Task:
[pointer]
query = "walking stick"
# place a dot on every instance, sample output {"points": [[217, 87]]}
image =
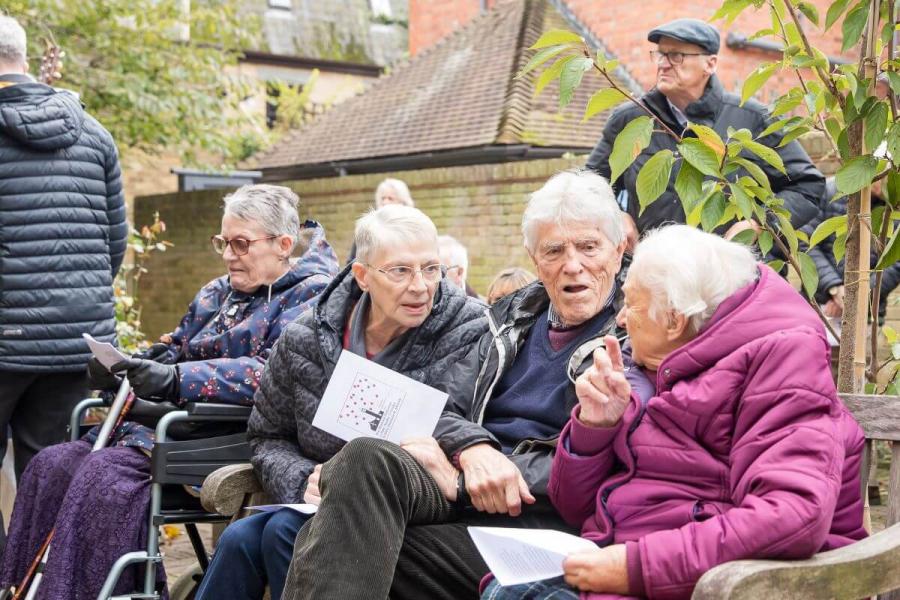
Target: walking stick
{"points": [[117, 412]]}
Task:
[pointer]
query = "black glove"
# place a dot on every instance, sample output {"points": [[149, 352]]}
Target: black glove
{"points": [[157, 353], [99, 377], [150, 380]]}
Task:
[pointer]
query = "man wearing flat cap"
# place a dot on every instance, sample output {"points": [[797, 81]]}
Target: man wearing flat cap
{"points": [[687, 90]]}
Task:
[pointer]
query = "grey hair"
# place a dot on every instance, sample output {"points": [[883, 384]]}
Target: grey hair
{"points": [[389, 225], [458, 252], [690, 271], [398, 186], [573, 198], [273, 207], [13, 41]]}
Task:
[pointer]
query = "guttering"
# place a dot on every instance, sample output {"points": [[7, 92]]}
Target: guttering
{"points": [[425, 160], [300, 62], [739, 41]]}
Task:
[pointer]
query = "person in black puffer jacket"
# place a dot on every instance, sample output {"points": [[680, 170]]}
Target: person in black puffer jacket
{"points": [[392, 305], [687, 90], [62, 240]]}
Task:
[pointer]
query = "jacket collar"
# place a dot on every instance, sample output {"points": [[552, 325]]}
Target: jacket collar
{"points": [[703, 111]]}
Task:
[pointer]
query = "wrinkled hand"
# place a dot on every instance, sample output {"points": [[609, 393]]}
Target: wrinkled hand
{"points": [[494, 483], [601, 570], [100, 378], [833, 309], [742, 226], [150, 380], [430, 455], [312, 495], [602, 390]]}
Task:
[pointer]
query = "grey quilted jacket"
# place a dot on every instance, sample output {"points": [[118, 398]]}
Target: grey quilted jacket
{"points": [[286, 447], [62, 228]]}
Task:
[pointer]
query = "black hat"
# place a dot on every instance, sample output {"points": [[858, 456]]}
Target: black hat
{"points": [[692, 31]]}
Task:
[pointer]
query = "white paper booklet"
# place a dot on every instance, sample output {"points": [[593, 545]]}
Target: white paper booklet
{"points": [[523, 555], [364, 399], [306, 509], [106, 353]]}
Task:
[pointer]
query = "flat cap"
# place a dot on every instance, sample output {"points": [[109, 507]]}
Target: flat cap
{"points": [[692, 31]]}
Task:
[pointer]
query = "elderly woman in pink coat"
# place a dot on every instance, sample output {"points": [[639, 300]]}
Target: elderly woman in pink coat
{"points": [[743, 451]]}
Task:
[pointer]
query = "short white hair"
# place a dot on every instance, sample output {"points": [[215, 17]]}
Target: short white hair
{"points": [[392, 225], [13, 42], [272, 207], [690, 271], [573, 198], [459, 256], [398, 186]]}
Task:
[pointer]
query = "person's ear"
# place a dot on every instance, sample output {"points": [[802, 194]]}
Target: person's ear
{"points": [[286, 245], [676, 325], [361, 275], [711, 63]]}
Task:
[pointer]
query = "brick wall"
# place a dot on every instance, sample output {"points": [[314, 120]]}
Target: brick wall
{"points": [[481, 206], [431, 21]]}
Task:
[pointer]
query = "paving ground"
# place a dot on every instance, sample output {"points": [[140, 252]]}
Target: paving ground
{"points": [[178, 554]]}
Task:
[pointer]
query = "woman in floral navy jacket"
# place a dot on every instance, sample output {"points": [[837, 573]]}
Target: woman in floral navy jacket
{"points": [[97, 502]]}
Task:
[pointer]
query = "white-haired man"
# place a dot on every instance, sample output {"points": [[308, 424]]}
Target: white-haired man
{"points": [[63, 237], [455, 257], [687, 90], [406, 508]]}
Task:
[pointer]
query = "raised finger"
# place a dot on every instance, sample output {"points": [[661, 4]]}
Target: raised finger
{"points": [[614, 350]]}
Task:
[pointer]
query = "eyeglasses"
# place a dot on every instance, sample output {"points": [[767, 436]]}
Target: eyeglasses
{"points": [[673, 58], [239, 245], [402, 274]]}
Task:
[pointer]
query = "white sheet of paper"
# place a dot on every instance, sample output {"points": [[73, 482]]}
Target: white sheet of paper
{"points": [[306, 509], [106, 353], [523, 555], [364, 399]]}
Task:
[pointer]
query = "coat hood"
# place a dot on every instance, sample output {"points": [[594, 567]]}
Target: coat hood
{"points": [[39, 116], [765, 307]]}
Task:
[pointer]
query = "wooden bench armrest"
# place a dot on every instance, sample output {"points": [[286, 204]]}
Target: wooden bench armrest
{"points": [[224, 490], [862, 569]]}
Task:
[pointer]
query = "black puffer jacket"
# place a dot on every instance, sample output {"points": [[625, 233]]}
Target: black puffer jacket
{"points": [[286, 447], [801, 189], [62, 228], [831, 271], [471, 382]]}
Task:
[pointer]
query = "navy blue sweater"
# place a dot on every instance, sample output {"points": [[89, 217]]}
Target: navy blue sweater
{"points": [[534, 397]]}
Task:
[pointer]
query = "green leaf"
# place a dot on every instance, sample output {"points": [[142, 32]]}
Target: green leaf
{"points": [[541, 57], [653, 178], [746, 237], [840, 244], [853, 25], [712, 212], [767, 154], [755, 172], [776, 265], [894, 79], [701, 156], [893, 140], [766, 241], [875, 125], [890, 334], [891, 252], [551, 73], [630, 142], [603, 100], [792, 135], [776, 126], [555, 37], [811, 12], [688, 185], [570, 78], [787, 231], [708, 136], [893, 188], [809, 275], [786, 104], [834, 13], [730, 10], [742, 199], [756, 80], [855, 174], [826, 228]]}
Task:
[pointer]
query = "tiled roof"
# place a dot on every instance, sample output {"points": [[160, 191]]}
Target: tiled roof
{"points": [[460, 93]]}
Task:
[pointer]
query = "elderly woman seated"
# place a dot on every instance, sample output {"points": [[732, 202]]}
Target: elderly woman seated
{"points": [[743, 451], [97, 502], [393, 306]]}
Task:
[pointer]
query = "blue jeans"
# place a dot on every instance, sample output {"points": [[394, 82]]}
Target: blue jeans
{"points": [[251, 553], [548, 589]]}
